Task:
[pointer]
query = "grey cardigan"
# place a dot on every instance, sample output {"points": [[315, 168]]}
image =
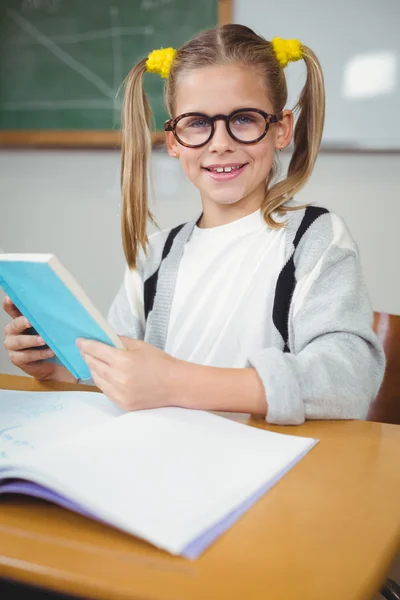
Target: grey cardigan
{"points": [[325, 361]]}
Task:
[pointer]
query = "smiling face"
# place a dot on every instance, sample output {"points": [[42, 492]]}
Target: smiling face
{"points": [[223, 89]]}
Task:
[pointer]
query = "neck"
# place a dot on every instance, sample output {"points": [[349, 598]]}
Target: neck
{"points": [[215, 215]]}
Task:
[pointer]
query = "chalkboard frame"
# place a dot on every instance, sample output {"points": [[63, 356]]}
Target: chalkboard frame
{"points": [[44, 138]]}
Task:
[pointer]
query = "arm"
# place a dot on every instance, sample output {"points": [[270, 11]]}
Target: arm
{"points": [[214, 388], [142, 376], [336, 363]]}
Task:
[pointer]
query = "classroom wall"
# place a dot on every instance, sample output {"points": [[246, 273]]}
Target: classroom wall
{"points": [[67, 203]]}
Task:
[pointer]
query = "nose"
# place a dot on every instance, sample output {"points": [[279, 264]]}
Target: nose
{"points": [[221, 141]]}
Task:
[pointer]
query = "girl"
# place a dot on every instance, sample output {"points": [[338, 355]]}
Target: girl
{"points": [[258, 305]]}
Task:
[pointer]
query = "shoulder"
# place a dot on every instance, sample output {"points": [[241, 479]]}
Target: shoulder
{"points": [[322, 235], [159, 246]]}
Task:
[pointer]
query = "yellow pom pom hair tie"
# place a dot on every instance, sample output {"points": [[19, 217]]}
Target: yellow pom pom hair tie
{"points": [[159, 61], [287, 50]]}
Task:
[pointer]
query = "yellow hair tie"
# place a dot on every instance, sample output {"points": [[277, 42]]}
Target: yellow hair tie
{"points": [[159, 61], [287, 50]]}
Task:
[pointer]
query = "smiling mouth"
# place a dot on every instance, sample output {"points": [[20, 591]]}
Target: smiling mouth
{"points": [[226, 169]]}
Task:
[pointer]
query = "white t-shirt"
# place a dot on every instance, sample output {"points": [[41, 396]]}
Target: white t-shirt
{"points": [[222, 305]]}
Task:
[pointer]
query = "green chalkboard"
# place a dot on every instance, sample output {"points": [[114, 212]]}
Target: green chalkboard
{"points": [[62, 62]]}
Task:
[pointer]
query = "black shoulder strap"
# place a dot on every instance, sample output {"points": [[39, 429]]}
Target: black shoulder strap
{"points": [[286, 281], [150, 285]]}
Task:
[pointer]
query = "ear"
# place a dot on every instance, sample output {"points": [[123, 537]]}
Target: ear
{"points": [[172, 144], [284, 130]]}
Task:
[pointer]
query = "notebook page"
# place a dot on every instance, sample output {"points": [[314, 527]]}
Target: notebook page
{"points": [[31, 420], [166, 475]]}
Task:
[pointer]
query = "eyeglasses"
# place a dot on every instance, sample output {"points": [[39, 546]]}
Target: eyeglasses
{"points": [[244, 125]]}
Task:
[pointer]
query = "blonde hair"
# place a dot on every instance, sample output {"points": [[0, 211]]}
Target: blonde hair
{"points": [[223, 45]]}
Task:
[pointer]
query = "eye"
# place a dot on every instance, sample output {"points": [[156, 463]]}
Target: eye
{"points": [[243, 119], [200, 123]]}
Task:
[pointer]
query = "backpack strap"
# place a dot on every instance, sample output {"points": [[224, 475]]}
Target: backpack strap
{"points": [[150, 285], [287, 278]]}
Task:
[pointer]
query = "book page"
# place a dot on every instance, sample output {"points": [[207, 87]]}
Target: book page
{"points": [[31, 420], [167, 475]]}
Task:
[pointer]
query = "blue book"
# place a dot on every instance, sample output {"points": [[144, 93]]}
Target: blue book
{"points": [[56, 306]]}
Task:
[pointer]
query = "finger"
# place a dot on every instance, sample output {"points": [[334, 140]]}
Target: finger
{"points": [[10, 307], [17, 326], [99, 367], [131, 343], [107, 388], [21, 359], [98, 350], [41, 370], [22, 342]]}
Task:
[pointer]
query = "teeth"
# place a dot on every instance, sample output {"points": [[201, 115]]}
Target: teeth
{"points": [[224, 169]]}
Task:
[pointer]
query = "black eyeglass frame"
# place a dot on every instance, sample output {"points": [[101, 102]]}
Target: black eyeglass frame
{"points": [[170, 125]]}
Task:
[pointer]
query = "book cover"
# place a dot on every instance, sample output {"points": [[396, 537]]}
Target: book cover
{"points": [[55, 305]]}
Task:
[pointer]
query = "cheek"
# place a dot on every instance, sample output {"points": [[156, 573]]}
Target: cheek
{"points": [[263, 157], [190, 161]]}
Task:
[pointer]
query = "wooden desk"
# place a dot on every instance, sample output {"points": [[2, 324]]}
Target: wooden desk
{"points": [[328, 530]]}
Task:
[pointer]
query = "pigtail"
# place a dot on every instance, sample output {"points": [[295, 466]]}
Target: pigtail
{"points": [[307, 140], [136, 152], [310, 123]]}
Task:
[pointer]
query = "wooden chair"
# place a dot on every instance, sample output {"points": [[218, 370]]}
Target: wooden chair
{"points": [[386, 407]]}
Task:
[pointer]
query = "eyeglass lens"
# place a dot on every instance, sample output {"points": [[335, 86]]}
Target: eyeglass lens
{"points": [[196, 130]]}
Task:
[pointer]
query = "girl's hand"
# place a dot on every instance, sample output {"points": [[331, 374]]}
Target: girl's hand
{"points": [[137, 377], [20, 349]]}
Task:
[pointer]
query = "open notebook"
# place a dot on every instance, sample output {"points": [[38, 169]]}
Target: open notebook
{"points": [[174, 477], [56, 306]]}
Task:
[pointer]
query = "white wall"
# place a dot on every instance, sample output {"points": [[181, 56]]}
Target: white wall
{"points": [[358, 46], [67, 203]]}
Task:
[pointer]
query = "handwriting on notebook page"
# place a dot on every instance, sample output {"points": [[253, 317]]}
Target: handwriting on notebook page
{"points": [[30, 420]]}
